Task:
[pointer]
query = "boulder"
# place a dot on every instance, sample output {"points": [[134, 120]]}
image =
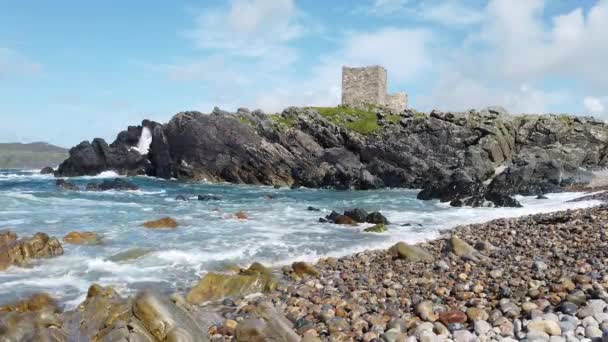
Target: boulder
{"points": [[345, 220], [214, 286], [268, 324], [357, 214], [165, 222], [114, 184], [166, 321], [408, 252], [47, 170], [303, 269], [22, 251], [460, 248], [376, 218], [82, 238]]}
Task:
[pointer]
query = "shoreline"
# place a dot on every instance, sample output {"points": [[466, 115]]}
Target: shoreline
{"points": [[499, 313], [339, 304]]}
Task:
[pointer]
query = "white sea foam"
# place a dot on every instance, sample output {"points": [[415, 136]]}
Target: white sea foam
{"points": [[143, 145]]}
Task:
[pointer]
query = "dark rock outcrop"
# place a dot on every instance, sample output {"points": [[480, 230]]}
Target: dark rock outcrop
{"points": [[114, 184], [452, 156], [47, 170]]}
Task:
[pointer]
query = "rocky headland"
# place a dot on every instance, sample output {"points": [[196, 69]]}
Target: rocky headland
{"points": [[536, 278], [474, 158]]}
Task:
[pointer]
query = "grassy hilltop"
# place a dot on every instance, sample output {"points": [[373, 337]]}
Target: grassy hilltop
{"points": [[30, 156]]}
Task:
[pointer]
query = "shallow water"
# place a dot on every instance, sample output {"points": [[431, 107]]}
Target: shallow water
{"points": [[280, 230]]}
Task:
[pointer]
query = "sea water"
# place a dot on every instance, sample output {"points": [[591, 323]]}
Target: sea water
{"points": [[279, 230]]}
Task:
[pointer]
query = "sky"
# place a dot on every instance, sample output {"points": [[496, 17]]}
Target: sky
{"points": [[73, 70]]}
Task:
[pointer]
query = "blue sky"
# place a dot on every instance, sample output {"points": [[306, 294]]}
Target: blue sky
{"points": [[74, 70]]}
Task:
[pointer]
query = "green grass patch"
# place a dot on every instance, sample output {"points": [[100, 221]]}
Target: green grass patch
{"points": [[362, 121], [283, 122], [394, 119], [245, 121]]}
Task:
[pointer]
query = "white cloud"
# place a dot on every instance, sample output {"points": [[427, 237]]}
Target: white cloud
{"points": [[15, 63], [593, 105], [515, 45], [249, 27], [443, 12]]}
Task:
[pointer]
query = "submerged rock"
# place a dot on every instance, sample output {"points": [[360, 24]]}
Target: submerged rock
{"points": [[65, 185], [82, 238], [165, 222], [131, 254], [379, 228], [209, 198], [115, 184]]}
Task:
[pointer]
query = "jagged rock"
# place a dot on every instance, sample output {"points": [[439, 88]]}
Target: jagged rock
{"points": [[410, 252], [115, 184], [165, 222], [82, 238], [450, 155], [65, 185], [20, 252]]}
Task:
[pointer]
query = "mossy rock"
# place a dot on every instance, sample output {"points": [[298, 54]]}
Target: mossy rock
{"points": [[215, 286], [379, 228], [257, 269], [410, 252], [460, 247]]}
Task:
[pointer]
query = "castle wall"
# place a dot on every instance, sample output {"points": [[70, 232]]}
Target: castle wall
{"points": [[396, 102], [363, 86], [367, 86]]}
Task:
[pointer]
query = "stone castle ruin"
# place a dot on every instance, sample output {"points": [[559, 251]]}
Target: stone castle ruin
{"points": [[367, 86]]}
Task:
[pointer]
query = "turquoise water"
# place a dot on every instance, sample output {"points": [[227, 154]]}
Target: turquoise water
{"points": [[279, 230]]}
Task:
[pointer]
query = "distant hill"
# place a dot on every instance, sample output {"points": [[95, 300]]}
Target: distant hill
{"points": [[30, 156]]}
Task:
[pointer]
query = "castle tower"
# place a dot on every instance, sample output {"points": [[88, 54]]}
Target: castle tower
{"points": [[367, 86]]}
